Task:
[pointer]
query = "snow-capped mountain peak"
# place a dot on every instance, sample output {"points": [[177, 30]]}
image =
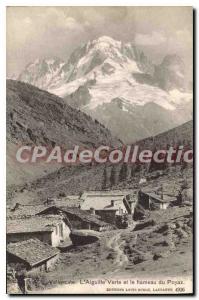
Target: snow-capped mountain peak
{"points": [[42, 72], [103, 43], [104, 52], [110, 79]]}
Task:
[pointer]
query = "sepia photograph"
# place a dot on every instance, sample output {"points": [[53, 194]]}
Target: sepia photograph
{"points": [[99, 150]]}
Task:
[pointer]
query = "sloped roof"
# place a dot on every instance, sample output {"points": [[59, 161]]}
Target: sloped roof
{"points": [[83, 215], [103, 202], [106, 193], [72, 200], [32, 251], [69, 200], [21, 210], [24, 210], [166, 198], [32, 224]]}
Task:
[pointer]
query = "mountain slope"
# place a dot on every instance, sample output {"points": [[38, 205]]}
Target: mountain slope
{"points": [[76, 179], [135, 123], [181, 135], [37, 117]]}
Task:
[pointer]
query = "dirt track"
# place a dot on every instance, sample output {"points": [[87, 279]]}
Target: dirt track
{"points": [[115, 244]]}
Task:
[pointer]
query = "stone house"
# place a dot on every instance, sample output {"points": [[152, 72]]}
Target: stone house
{"points": [[77, 218], [108, 204], [31, 254], [50, 229], [152, 201]]}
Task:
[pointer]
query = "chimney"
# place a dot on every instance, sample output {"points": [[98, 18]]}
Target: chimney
{"points": [[112, 202], [92, 211], [50, 201]]}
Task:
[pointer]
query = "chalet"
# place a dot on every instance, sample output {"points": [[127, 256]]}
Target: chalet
{"points": [[78, 218], [31, 254], [50, 229], [108, 204], [152, 201]]}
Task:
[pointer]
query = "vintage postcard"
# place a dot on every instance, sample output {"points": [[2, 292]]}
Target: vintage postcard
{"points": [[99, 150]]}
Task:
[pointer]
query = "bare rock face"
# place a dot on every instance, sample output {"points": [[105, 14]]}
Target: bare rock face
{"points": [[80, 97], [170, 74]]}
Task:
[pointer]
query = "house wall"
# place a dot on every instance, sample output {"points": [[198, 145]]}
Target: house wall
{"points": [[50, 262], [164, 205], [16, 263], [108, 216], [60, 233], [45, 265], [133, 205], [157, 204], [121, 211], [144, 200], [130, 205]]}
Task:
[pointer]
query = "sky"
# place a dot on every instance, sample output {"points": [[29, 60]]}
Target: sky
{"points": [[37, 32]]}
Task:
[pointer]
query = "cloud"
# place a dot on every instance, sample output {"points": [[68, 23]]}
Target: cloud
{"points": [[37, 31], [184, 36], [59, 19], [152, 39], [72, 24]]}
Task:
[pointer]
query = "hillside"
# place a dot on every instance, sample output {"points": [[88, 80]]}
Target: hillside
{"points": [[127, 175], [36, 117], [75, 179], [180, 135]]}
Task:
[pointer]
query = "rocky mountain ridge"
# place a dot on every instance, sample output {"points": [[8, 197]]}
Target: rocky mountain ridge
{"points": [[115, 83]]}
